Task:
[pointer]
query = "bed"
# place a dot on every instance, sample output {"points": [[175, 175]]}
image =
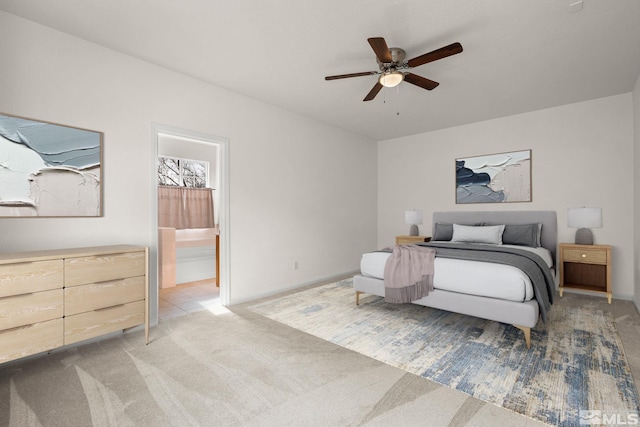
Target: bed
{"points": [[489, 290]]}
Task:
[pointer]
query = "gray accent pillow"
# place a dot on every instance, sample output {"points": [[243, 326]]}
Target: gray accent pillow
{"points": [[444, 231], [522, 234]]}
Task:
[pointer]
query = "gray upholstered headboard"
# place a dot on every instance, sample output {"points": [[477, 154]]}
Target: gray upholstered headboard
{"points": [[548, 219]]}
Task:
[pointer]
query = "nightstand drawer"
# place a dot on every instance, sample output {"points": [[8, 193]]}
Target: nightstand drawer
{"points": [[408, 240], [585, 256]]}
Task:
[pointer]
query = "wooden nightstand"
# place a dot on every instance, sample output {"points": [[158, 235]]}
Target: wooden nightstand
{"points": [[407, 240], [585, 267]]}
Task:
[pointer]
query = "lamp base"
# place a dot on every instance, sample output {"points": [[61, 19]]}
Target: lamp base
{"points": [[584, 236], [413, 230]]}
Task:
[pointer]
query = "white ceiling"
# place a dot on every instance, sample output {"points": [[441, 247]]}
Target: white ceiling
{"points": [[519, 55]]}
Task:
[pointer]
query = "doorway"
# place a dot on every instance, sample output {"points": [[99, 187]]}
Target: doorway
{"points": [[200, 249]]}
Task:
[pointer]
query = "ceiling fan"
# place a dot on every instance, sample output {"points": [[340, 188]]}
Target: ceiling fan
{"points": [[393, 69]]}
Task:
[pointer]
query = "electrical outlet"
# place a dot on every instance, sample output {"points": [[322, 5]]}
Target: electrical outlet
{"points": [[575, 6]]}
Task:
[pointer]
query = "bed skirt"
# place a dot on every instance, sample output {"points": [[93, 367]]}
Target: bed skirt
{"points": [[517, 313]]}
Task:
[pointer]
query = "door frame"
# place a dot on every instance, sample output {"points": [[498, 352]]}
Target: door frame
{"points": [[223, 210]]}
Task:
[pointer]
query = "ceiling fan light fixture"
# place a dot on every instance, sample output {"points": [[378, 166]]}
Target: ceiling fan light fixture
{"points": [[393, 69], [391, 79]]}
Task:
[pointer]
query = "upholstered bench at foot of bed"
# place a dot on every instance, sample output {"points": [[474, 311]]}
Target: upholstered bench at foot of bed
{"points": [[522, 315]]}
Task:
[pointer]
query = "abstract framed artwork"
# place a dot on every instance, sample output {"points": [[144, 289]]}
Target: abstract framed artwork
{"points": [[494, 178], [49, 170]]}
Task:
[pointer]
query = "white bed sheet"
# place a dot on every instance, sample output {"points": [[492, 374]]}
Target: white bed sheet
{"points": [[468, 277]]}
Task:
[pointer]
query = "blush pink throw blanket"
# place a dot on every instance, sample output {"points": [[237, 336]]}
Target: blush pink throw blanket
{"points": [[408, 273]]}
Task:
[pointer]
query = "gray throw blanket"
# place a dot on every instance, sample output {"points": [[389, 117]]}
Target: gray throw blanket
{"points": [[530, 263], [408, 273]]}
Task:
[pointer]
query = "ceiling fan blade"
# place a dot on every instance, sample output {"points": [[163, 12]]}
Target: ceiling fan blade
{"points": [[373, 92], [345, 76], [417, 80], [443, 52], [381, 49]]}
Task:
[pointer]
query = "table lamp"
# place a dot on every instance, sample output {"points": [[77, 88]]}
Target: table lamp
{"points": [[413, 217], [583, 219]]}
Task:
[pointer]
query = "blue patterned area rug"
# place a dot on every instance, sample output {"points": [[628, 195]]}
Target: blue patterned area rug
{"points": [[575, 366]]}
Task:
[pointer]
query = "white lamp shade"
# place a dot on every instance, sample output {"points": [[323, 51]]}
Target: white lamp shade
{"points": [[584, 217], [391, 79], [413, 217]]}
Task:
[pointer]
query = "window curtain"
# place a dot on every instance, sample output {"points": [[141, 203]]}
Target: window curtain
{"points": [[181, 207]]}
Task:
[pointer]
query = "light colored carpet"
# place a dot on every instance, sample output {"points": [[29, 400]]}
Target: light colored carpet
{"points": [[228, 369], [576, 362]]}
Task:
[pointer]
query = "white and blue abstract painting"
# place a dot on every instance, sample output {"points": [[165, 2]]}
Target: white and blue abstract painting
{"points": [[494, 178], [49, 170]]}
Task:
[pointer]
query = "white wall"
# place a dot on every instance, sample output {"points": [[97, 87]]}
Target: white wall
{"points": [[300, 190], [582, 155], [636, 192]]}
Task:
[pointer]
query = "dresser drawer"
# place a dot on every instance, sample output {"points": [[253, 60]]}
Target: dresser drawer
{"points": [[27, 277], [25, 309], [585, 256], [83, 326], [93, 269], [31, 339], [78, 299]]}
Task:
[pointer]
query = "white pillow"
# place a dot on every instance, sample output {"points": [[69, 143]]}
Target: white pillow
{"points": [[487, 234]]}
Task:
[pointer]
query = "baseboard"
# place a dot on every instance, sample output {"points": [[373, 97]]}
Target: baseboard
{"points": [[296, 287], [624, 297]]}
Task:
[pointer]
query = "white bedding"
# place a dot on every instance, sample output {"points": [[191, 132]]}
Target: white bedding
{"points": [[469, 277]]}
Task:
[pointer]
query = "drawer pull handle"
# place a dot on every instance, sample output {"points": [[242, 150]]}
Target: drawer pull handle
{"points": [[13, 264], [584, 255], [108, 308], [16, 295], [15, 328], [103, 282]]}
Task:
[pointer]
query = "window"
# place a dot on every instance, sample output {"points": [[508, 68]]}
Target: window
{"points": [[183, 172]]}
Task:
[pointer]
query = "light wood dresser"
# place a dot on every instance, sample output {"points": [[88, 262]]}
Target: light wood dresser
{"points": [[49, 299]]}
